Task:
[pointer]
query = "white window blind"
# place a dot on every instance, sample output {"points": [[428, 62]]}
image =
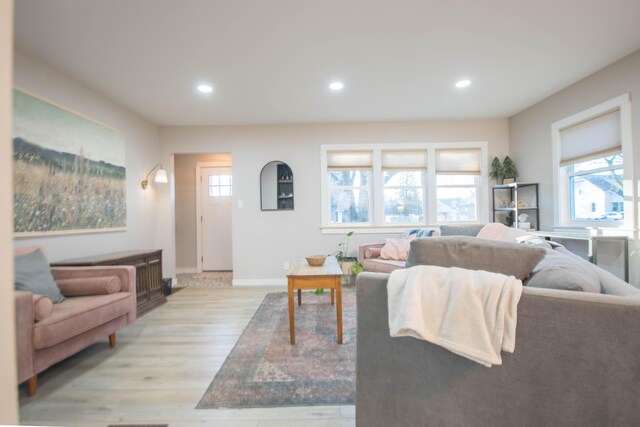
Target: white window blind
{"points": [[458, 162], [341, 160], [595, 138], [404, 159]]}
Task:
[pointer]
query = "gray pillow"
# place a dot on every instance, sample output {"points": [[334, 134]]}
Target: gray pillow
{"points": [[33, 274], [512, 259], [565, 278], [460, 230], [559, 271]]}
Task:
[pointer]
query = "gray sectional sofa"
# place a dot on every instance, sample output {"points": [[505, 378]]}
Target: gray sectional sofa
{"points": [[576, 363]]}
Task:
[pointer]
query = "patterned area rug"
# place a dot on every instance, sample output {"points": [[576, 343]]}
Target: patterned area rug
{"points": [[217, 279], [264, 369]]}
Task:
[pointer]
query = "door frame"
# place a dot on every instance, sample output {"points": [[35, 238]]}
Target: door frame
{"points": [[199, 167]]}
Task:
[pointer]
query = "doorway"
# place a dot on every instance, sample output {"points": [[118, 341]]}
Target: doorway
{"points": [[216, 191]]}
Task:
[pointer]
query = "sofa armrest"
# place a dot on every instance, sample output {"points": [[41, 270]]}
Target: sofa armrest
{"points": [[362, 250], [126, 274], [24, 334], [573, 360]]}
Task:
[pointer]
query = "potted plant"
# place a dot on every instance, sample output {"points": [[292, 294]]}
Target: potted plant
{"points": [[496, 172], [509, 169]]}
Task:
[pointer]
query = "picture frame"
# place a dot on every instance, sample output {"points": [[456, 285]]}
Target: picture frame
{"points": [[69, 171]]}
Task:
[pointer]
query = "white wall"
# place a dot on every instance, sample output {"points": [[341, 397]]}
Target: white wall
{"points": [[142, 142], [8, 374], [530, 130], [185, 194], [262, 241]]}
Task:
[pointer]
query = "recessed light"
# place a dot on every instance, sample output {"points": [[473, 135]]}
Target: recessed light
{"points": [[336, 86], [463, 83], [205, 88]]}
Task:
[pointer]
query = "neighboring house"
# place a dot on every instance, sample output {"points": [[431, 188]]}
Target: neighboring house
{"points": [[599, 195]]}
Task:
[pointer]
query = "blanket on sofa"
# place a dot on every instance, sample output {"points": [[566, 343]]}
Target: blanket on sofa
{"points": [[471, 313]]}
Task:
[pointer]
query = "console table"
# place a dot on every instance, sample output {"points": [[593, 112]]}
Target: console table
{"points": [[148, 264]]}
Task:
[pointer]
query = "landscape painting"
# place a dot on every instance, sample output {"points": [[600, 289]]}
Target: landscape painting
{"points": [[69, 171]]}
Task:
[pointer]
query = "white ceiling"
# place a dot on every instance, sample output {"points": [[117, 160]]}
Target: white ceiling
{"points": [[271, 61]]}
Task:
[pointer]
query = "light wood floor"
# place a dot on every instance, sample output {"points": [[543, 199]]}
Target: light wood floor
{"points": [[161, 367]]}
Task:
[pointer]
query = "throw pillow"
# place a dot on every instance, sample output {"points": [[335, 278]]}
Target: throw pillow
{"points": [[497, 231], [42, 307], [460, 230], [90, 286], [565, 278], [511, 259], [396, 249], [33, 274]]}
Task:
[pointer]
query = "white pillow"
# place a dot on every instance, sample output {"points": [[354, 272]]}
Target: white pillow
{"points": [[396, 249], [497, 231]]}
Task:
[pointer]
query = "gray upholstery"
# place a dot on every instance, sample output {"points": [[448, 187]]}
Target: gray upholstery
{"points": [[512, 259], [33, 274], [573, 366], [460, 230], [559, 271]]}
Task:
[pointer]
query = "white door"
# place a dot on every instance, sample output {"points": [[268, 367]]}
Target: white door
{"points": [[216, 194]]}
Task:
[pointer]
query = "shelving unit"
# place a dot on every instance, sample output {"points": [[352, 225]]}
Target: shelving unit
{"points": [[285, 187], [515, 199]]}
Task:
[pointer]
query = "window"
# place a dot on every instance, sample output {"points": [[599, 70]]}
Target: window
{"points": [[219, 185], [349, 186], [457, 173], [403, 177], [589, 152], [405, 184], [596, 189]]}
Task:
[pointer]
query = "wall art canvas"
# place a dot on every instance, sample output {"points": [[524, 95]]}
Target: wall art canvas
{"points": [[69, 171]]}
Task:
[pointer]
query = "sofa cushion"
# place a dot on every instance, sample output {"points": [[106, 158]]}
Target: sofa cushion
{"points": [[512, 259], [396, 249], [42, 307], [460, 230], [378, 265], [560, 271], [33, 274], [89, 286], [77, 315]]}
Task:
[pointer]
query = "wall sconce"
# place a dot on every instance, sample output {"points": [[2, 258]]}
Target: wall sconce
{"points": [[161, 176]]}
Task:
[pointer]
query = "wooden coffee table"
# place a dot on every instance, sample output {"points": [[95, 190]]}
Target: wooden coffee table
{"points": [[302, 276]]}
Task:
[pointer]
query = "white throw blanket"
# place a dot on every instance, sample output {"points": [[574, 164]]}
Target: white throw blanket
{"points": [[471, 313]]}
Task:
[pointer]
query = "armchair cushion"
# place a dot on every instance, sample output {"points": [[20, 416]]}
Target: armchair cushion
{"points": [[42, 307], [89, 286], [33, 274]]}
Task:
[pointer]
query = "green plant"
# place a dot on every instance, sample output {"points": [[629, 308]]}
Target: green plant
{"points": [[496, 172], [343, 249], [341, 254], [357, 268], [509, 169]]}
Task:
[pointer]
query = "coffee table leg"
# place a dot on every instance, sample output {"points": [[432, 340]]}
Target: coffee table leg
{"points": [[292, 330], [299, 296], [339, 308]]}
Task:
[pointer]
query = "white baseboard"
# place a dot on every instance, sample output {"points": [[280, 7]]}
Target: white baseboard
{"points": [[260, 282], [186, 270]]}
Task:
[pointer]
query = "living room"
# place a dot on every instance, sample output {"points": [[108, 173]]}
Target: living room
{"points": [[51, 60]]}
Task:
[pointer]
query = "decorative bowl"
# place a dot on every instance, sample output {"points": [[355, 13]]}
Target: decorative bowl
{"points": [[316, 260]]}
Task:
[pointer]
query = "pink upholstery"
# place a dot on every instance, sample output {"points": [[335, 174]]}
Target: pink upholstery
{"points": [[369, 258], [78, 321], [89, 286], [74, 316], [24, 334], [42, 307]]}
